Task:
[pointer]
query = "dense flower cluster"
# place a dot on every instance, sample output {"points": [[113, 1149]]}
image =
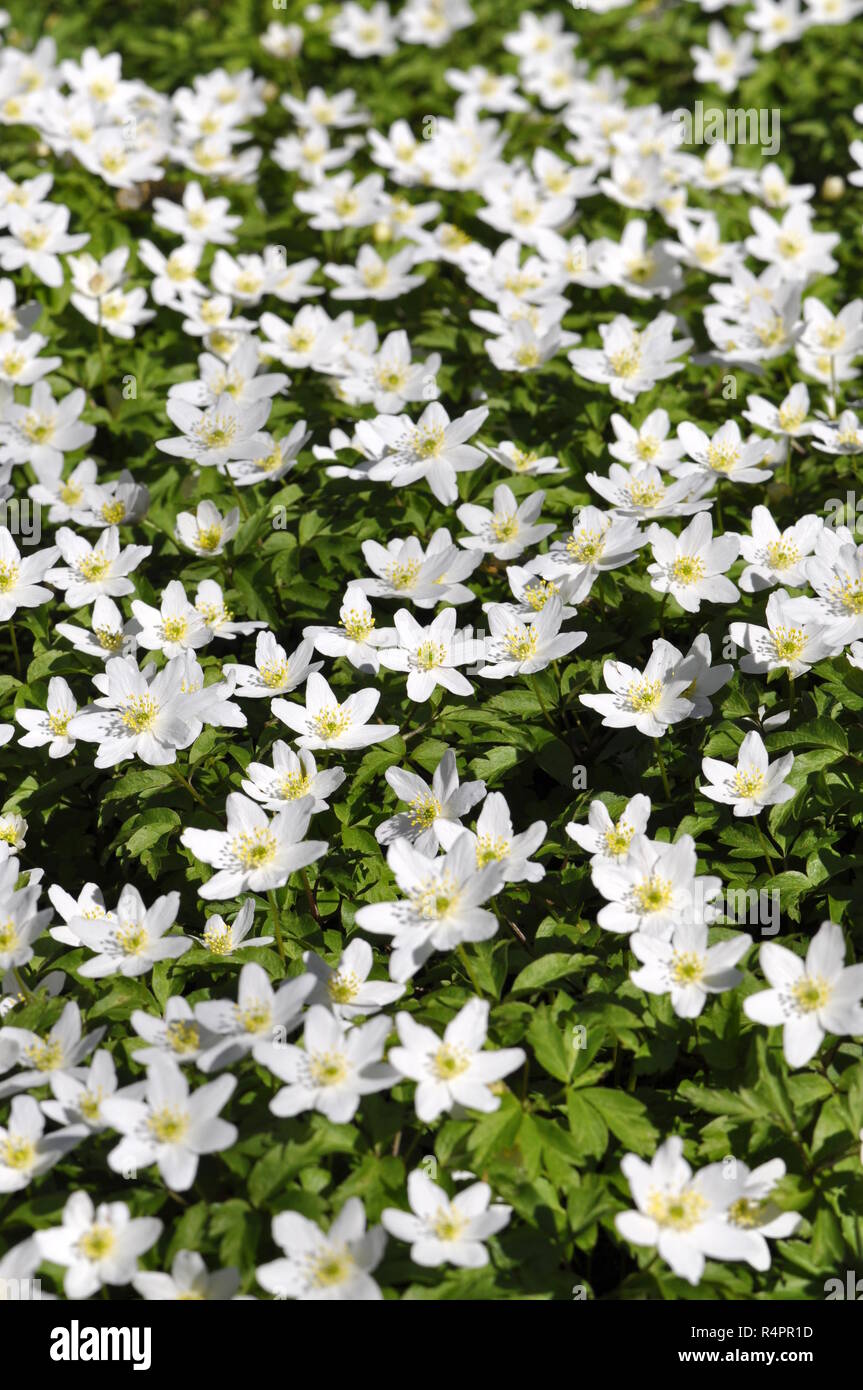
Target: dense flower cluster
{"points": [[431, 660]]}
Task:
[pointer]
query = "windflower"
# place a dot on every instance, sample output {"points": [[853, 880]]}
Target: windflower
{"points": [[442, 1230], [327, 723], [97, 1245], [337, 1065], [337, 1265], [456, 1071], [651, 700], [809, 998], [752, 784], [254, 853], [685, 967]]}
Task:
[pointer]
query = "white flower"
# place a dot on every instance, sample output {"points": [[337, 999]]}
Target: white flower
{"points": [[604, 838], [455, 1070], [691, 567], [777, 557], [199, 219], [206, 531], [725, 455], [223, 940], [791, 641], [255, 853], [337, 1065], [175, 627], [753, 783], [274, 672], [435, 448], [445, 801], [26, 1152], [316, 1266], [210, 603], [51, 725], [517, 648], [327, 723], [111, 635], [631, 361], [811, 998], [443, 906], [20, 579], [356, 637], [639, 492], [374, 278], [649, 701], [649, 443], [429, 655], [91, 570], [43, 431], [791, 244], [598, 541], [261, 1018], [495, 842], [78, 1099], [681, 1214], [291, 776], [43, 1056], [345, 989], [176, 1035], [170, 1127], [424, 577], [654, 888], [686, 967], [131, 941], [97, 1245], [189, 1281], [443, 1230], [20, 923], [212, 436], [506, 530], [788, 419], [140, 714]]}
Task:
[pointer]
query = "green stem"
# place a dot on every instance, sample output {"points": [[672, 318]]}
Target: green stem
{"points": [[15, 650], [313, 906], [28, 994], [277, 922], [241, 501], [766, 847], [662, 772], [792, 691], [534, 684], [465, 960]]}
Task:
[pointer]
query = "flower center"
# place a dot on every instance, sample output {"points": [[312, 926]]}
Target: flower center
{"points": [[139, 713], [209, 537], [748, 781], [94, 566], [490, 848], [8, 936], [586, 547], [331, 722], [627, 361], [39, 428], [687, 569], [109, 640], [617, 839], [810, 993], [653, 894], [521, 643], [343, 986], [45, 1055], [428, 441], [644, 695], [294, 785], [789, 642], [114, 512], [331, 1267], [175, 629], [274, 674], [255, 1017], [687, 967], [436, 898], [328, 1068], [168, 1125], [680, 1212], [722, 458], [404, 576], [255, 848], [358, 625], [429, 655], [747, 1213], [782, 554], [448, 1224], [96, 1243], [131, 938], [18, 1152], [645, 494], [449, 1061], [505, 528], [221, 943], [183, 1035], [849, 595], [425, 810]]}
